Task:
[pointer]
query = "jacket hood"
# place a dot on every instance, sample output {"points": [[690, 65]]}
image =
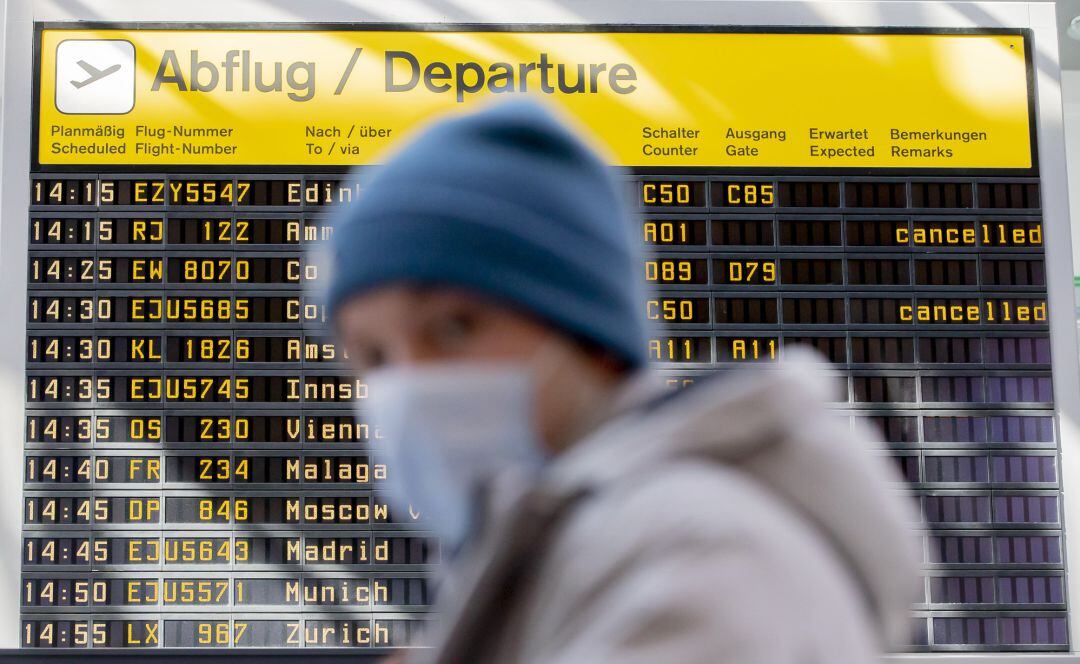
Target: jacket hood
{"points": [[775, 427]]}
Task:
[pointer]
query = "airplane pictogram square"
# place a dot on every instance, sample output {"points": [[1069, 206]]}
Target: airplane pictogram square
{"points": [[95, 76]]}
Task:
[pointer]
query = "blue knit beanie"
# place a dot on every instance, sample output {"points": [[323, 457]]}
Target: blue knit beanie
{"points": [[507, 203]]}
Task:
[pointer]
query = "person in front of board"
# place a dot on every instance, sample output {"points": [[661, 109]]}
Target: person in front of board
{"points": [[486, 286]]}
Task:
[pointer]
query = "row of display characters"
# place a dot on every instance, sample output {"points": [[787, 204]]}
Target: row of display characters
{"points": [[183, 191]]}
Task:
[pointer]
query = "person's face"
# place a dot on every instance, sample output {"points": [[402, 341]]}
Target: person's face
{"points": [[400, 325]]}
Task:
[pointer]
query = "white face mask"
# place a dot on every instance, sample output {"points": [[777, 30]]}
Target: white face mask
{"points": [[447, 429]]}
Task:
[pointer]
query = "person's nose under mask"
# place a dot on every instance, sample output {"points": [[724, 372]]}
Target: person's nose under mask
{"points": [[447, 429]]}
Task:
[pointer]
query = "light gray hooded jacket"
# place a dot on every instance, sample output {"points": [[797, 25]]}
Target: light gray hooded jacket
{"points": [[734, 522]]}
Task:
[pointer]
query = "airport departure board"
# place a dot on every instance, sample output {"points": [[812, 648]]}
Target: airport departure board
{"points": [[195, 474]]}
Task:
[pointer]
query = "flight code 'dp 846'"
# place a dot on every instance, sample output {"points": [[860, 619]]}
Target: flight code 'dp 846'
{"points": [[359, 508]]}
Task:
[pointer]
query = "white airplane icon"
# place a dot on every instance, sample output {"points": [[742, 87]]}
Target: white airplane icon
{"points": [[95, 73]]}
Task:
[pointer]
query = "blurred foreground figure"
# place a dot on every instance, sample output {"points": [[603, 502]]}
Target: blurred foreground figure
{"points": [[486, 286]]}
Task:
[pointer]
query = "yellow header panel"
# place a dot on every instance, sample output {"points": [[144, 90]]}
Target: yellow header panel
{"points": [[338, 98]]}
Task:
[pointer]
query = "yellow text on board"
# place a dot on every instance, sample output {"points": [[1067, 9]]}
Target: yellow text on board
{"points": [[341, 98]]}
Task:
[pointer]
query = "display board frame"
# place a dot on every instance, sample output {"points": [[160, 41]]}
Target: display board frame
{"points": [[1037, 18]]}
